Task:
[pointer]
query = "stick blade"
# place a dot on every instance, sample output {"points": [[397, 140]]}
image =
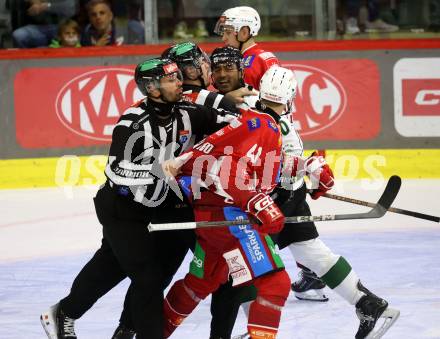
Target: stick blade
{"points": [[389, 194]]}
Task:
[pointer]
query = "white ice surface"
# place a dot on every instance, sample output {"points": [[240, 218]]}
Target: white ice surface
{"points": [[47, 235]]}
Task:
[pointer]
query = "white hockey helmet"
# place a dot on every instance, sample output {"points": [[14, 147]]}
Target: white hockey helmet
{"points": [[238, 17], [278, 84]]}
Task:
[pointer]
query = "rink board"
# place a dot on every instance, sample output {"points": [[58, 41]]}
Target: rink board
{"points": [[346, 164]]}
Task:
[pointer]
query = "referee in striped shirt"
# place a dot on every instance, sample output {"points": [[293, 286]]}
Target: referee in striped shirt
{"points": [[195, 67], [135, 193]]}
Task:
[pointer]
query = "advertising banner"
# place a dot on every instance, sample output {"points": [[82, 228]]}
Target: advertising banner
{"points": [[68, 107], [78, 106], [337, 99], [417, 97], [71, 106]]}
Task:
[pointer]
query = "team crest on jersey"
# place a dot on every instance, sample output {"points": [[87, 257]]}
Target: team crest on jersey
{"points": [[253, 124], [183, 136], [272, 126], [247, 62]]}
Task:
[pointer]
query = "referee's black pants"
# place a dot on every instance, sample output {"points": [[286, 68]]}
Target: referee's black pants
{"points": [[128, 249]]}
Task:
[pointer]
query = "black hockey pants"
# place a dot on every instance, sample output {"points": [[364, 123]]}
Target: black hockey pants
{"points": [[128, 249]]}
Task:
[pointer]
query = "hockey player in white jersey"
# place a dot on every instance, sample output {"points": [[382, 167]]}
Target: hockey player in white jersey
{"points": [[303, 241]]}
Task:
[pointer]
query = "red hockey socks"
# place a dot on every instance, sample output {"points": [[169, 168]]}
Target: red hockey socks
{"points": [[178, 304], [265, 311], [263, 320]]}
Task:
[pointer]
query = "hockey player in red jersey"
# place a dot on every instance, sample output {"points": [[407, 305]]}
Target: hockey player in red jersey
{"points": [[233, 170], [228, 75], [238, 26], [302, 239]]}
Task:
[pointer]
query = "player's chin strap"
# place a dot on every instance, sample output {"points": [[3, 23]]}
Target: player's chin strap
{"points": [[200, 78], [260, 106], [162, 108], [240, 46]]}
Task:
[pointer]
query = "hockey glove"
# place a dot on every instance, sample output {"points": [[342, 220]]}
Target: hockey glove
{"points": [[172, 167], [262, 207], [320, 174]]}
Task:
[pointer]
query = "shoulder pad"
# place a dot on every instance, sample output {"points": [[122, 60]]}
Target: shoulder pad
{"points": [[266, 55], [134, 110]]}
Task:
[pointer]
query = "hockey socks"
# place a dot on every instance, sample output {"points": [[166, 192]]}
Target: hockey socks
{"points": [[265, 311], [333, 269], [264, 319], [343, 280], [178, 304], [337, 273]]}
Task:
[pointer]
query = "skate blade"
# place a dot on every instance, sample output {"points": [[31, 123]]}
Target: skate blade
{"points": [[47, 320], [389, 317], [241, 336], [312, 295]]}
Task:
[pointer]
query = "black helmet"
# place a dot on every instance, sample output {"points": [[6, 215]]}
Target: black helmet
{"points": [[185, 53], [227, 54], [188, 54], [150, 71]]}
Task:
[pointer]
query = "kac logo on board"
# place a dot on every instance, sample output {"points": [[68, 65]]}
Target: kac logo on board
{"points": [[91, 103], [321, 99]]}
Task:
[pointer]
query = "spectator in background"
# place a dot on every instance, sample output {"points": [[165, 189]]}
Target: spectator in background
{"points": [[69, 35], [434, 15], [5, 22], [371, 19], [43, 18], [136, 24], [181, 27], [181, 30], [101, 29]]}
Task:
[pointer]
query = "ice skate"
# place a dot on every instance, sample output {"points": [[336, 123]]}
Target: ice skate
{"points": [[57, 325], [123, 332], [48, 322], [241, 336], [309, 287], [369, 309]]}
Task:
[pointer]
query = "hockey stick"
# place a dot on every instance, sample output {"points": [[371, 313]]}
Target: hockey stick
{"points": [[391, 209], [377, 211]]}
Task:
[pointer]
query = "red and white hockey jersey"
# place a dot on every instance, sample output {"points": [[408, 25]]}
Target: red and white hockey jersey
{"points": [[237, 161], [256, 62]]}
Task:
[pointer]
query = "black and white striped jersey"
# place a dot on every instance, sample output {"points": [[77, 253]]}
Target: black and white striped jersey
{"points": [[143, 139], [200, 96]]}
